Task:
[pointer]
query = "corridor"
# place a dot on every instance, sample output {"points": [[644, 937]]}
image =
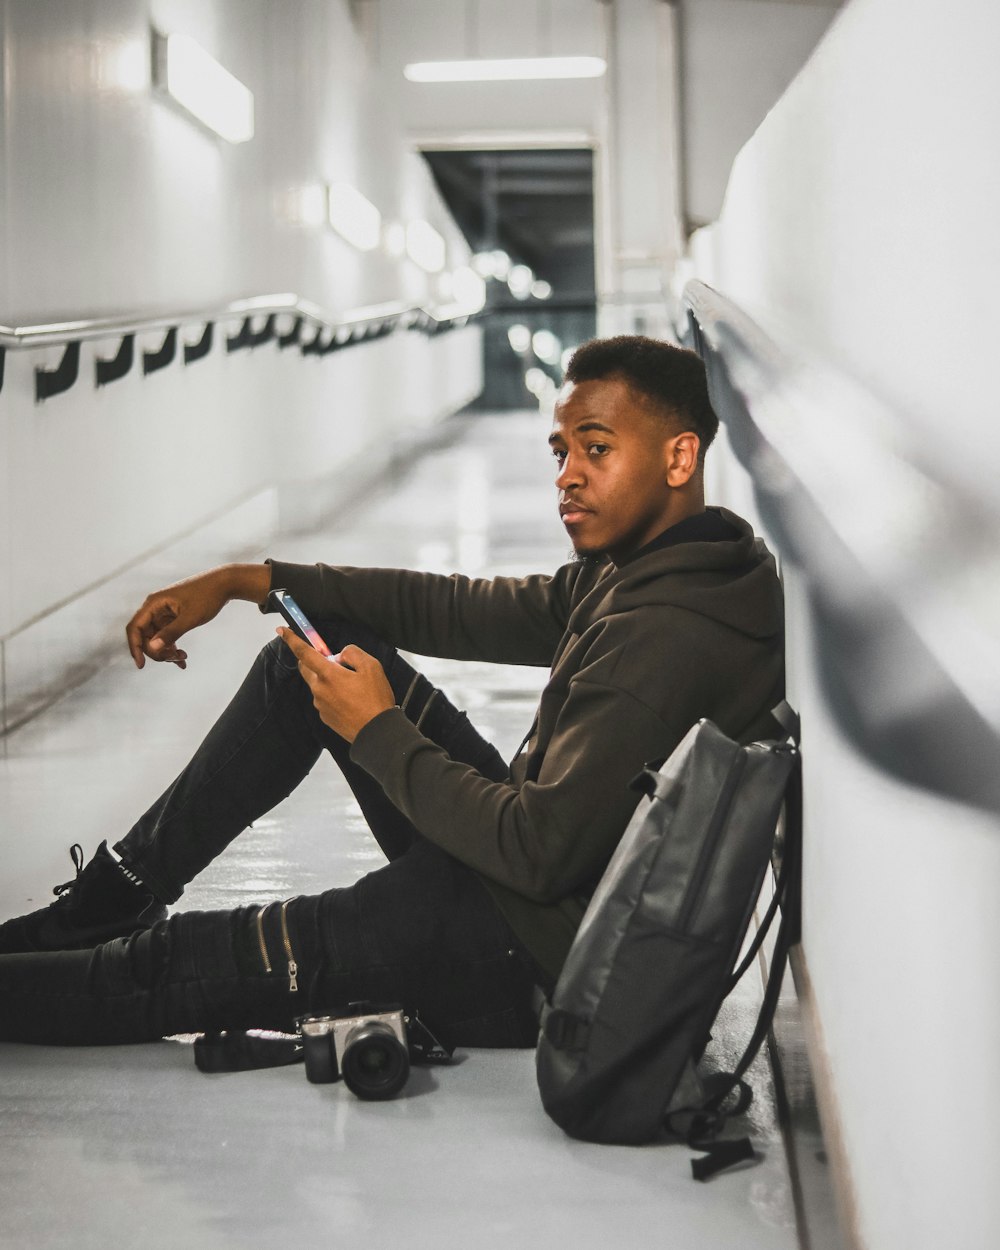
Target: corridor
{"points": [[131, 1146]]}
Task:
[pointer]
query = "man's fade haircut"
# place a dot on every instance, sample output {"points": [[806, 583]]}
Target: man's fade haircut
{"points": [[671, 378]]}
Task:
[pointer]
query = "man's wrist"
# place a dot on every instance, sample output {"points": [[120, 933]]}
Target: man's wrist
{"points": [[251, 582]]}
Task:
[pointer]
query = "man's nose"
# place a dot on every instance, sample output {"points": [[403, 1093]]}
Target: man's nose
{"points": [[569, 474]]}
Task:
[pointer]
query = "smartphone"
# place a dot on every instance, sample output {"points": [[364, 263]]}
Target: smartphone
{"points": [[298, 620]]}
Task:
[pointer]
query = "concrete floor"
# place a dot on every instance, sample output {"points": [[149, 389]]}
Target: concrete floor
{"points": [[131, 1146]]}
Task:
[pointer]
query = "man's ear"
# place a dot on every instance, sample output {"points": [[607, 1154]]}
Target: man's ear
{"points": [[682, 458]]}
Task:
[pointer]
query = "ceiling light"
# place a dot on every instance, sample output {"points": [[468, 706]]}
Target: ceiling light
{"points": [[425, 246], [199, 84], [495, 264], [541, 289], [546, 346], [469, 288], [539, 384], [501, 263], [519, 68], [519, 337], [519, 281], [354, 217]]}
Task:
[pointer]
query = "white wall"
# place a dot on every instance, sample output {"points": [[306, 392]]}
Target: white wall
{"points": [[113, 201], [737, 57], [859, 229]]}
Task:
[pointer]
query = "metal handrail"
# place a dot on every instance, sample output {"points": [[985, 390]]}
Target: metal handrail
{"points": [[55, 333], [330, 333], [899, 562]]}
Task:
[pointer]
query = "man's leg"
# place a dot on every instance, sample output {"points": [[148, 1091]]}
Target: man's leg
{"points": [[265, 742], [422, 931]]}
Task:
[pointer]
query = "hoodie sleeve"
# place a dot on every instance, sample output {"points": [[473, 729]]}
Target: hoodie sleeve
{"points": [[637, 690], [553, 835], [504, 620]]}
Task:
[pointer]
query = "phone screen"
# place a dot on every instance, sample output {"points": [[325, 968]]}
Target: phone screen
{"points": [[294, 615]]}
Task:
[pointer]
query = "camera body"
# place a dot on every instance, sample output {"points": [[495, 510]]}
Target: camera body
{"points": [[365, 1043]]}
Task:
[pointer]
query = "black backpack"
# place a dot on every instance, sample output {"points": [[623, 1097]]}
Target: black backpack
{"points": [[655, 955]]}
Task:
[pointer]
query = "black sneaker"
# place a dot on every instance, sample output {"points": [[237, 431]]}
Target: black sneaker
{"points": [[99, 904]]}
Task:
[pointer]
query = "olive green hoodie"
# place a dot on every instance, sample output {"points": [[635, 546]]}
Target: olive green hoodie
{"points": [[637, 655]]}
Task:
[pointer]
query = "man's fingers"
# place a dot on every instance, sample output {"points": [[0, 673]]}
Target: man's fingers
{"points": [[351, 657], [136, 632], [153, 631], [164, 639], [303, 652], [134, 640], [356, 658]]}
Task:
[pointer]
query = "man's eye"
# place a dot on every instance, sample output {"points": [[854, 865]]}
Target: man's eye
{"points": [[597, 449], [559, 455]]}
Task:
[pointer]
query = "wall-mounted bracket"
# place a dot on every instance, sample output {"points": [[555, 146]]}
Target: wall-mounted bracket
{"points": [[265, 334], [111, 370], [235, 342], [293, 336], [197, 351], [247, 337], [315, 346], [49, 382], [152, 361], [342, 336]]}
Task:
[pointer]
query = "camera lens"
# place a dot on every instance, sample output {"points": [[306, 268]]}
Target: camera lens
{"points": [[375, 1063]]}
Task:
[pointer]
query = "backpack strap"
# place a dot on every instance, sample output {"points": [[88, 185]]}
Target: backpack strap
{"points": [[786, 892], [710, 1118], [720, 1155], [789, 720]]}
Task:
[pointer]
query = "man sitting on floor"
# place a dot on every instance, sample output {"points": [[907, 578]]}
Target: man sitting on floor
{"points": [[670, 612]]}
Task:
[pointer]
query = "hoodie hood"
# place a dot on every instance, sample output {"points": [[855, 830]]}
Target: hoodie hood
{"points": [[731, 582]]}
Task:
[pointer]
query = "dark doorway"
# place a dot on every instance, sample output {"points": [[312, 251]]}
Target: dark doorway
{"points": [[535, 208]]}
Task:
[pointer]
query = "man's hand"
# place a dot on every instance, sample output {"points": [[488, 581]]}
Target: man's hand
{"points": [[167, 614], [348, 690]]}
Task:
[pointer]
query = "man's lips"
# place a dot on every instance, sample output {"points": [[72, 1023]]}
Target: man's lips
{"points": [[570, 511]]}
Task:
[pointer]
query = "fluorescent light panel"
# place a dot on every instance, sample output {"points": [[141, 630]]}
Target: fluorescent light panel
{"points": [[354, 217], [518, 68], [469, 288], [425, 246], [204, 88]]}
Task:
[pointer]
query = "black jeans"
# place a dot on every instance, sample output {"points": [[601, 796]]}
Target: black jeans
{"points": [[423, 930]]}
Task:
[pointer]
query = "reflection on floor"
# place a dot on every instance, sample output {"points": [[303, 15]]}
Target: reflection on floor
{"points": [[130, 1146]]}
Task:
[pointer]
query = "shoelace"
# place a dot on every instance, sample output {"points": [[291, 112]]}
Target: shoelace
{"points": [[76, 854]]}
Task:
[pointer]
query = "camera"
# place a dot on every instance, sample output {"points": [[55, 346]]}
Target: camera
{"points": [[366, 1044]]}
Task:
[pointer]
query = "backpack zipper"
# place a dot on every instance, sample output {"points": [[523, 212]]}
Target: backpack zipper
{"points": [[293, 967], [711, 844]]}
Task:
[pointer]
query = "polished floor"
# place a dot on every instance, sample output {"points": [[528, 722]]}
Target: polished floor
{"points": [[131, 1146]]}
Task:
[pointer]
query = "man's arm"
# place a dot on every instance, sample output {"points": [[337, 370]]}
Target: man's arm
{"points": [[631, 702], [167, 614], [506, 620], [543, 841], [553, 836]]}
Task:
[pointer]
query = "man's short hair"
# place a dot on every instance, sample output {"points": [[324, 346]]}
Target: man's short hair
{"points": [[671, 378]]}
